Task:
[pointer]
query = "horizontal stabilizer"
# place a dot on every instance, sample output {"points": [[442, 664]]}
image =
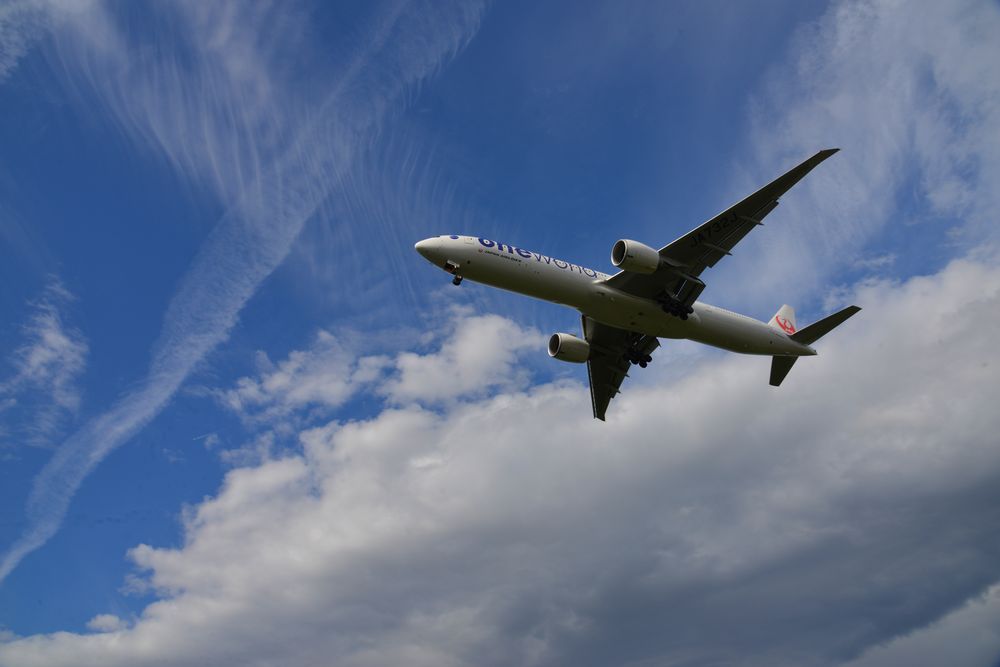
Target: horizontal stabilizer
{"points": [[817, 330], [779, 368]]}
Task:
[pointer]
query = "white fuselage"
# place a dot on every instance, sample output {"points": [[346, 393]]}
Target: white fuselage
{"points": [[533, 274]]}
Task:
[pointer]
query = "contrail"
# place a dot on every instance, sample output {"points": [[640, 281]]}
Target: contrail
{"points": [[257, 232]]}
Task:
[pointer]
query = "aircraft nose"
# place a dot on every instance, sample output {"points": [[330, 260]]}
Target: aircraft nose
{"points": [[427, 246]]}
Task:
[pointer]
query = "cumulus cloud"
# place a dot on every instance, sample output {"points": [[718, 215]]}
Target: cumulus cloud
{"points": [[476, 356], [106, 623], [479, 357], [325, 375], [46, 369], [713, 520]]}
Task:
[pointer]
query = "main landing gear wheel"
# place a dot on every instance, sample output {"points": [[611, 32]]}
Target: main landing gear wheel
{"points": [[677, 310], [637, 358], [457, 280]]}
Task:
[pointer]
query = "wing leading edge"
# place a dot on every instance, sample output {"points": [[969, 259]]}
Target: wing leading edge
{"points": [[609, 361], [686, 258]]}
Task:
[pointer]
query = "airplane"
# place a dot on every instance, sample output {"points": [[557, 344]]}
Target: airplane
{"points": [[653, 295]]}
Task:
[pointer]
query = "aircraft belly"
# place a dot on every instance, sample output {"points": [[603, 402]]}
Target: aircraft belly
{"points": [[737, 333], [526, 277]]}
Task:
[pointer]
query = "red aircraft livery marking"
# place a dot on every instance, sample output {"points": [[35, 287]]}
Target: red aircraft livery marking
{"points": [[785, 325]]}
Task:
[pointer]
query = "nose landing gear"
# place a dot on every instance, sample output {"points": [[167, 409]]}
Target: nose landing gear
{"points": [[452, 268]]}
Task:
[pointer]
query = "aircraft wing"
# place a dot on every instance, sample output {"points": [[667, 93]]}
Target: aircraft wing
{"points": [[702, 247], [608, 366]]}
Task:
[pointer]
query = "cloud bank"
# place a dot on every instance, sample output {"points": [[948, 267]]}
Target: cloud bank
{"points": [[714, 520]]}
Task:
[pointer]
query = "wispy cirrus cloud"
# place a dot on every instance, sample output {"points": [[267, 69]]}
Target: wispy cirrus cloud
{"points": [[219, 109], [44, 383], [911, 99], [20, 24]]}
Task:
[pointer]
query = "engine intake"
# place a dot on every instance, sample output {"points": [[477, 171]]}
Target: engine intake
{"points": [[636, 257], [566, 347]]}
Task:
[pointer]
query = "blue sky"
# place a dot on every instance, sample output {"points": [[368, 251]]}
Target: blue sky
{"points": [[232, 396]]}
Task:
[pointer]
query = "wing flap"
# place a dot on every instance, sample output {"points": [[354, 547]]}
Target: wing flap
{"points": [[608, 365]]}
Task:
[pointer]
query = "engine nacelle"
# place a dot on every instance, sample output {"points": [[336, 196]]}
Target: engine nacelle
{"points": [[636, 257], [566, 347]]}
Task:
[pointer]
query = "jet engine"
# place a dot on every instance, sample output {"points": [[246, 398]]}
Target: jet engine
{"points": [[636, 257], [566, 347]]}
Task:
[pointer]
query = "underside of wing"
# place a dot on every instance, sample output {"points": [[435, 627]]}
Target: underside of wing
{"points": [[683, 261], [612, 353]]}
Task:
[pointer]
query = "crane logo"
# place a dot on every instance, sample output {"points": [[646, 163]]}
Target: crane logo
{"points": [[785, 325]]}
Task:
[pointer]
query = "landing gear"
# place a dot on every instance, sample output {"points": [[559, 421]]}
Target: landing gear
{"points": [[640, 349], [677, 300], [452, 268], [676, 308], [637, 358], [634, 356]]}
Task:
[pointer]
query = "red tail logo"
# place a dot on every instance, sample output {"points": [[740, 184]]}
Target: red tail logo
{"points": [[785, 325]]}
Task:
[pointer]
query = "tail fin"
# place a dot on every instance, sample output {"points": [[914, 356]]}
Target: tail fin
{"points": [[784, 319]]}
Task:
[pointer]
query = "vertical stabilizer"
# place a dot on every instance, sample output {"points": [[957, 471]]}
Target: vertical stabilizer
{"points": [[784, 320]]}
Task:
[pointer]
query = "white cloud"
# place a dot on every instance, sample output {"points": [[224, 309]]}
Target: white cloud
{"points": [[480, 356], [875, 263], [46, 368], [712, 520], [477, 355], [106, 623], [326, 374]]}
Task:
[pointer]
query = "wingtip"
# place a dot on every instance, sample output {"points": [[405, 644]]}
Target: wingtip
{"points": [[827, 152]]}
